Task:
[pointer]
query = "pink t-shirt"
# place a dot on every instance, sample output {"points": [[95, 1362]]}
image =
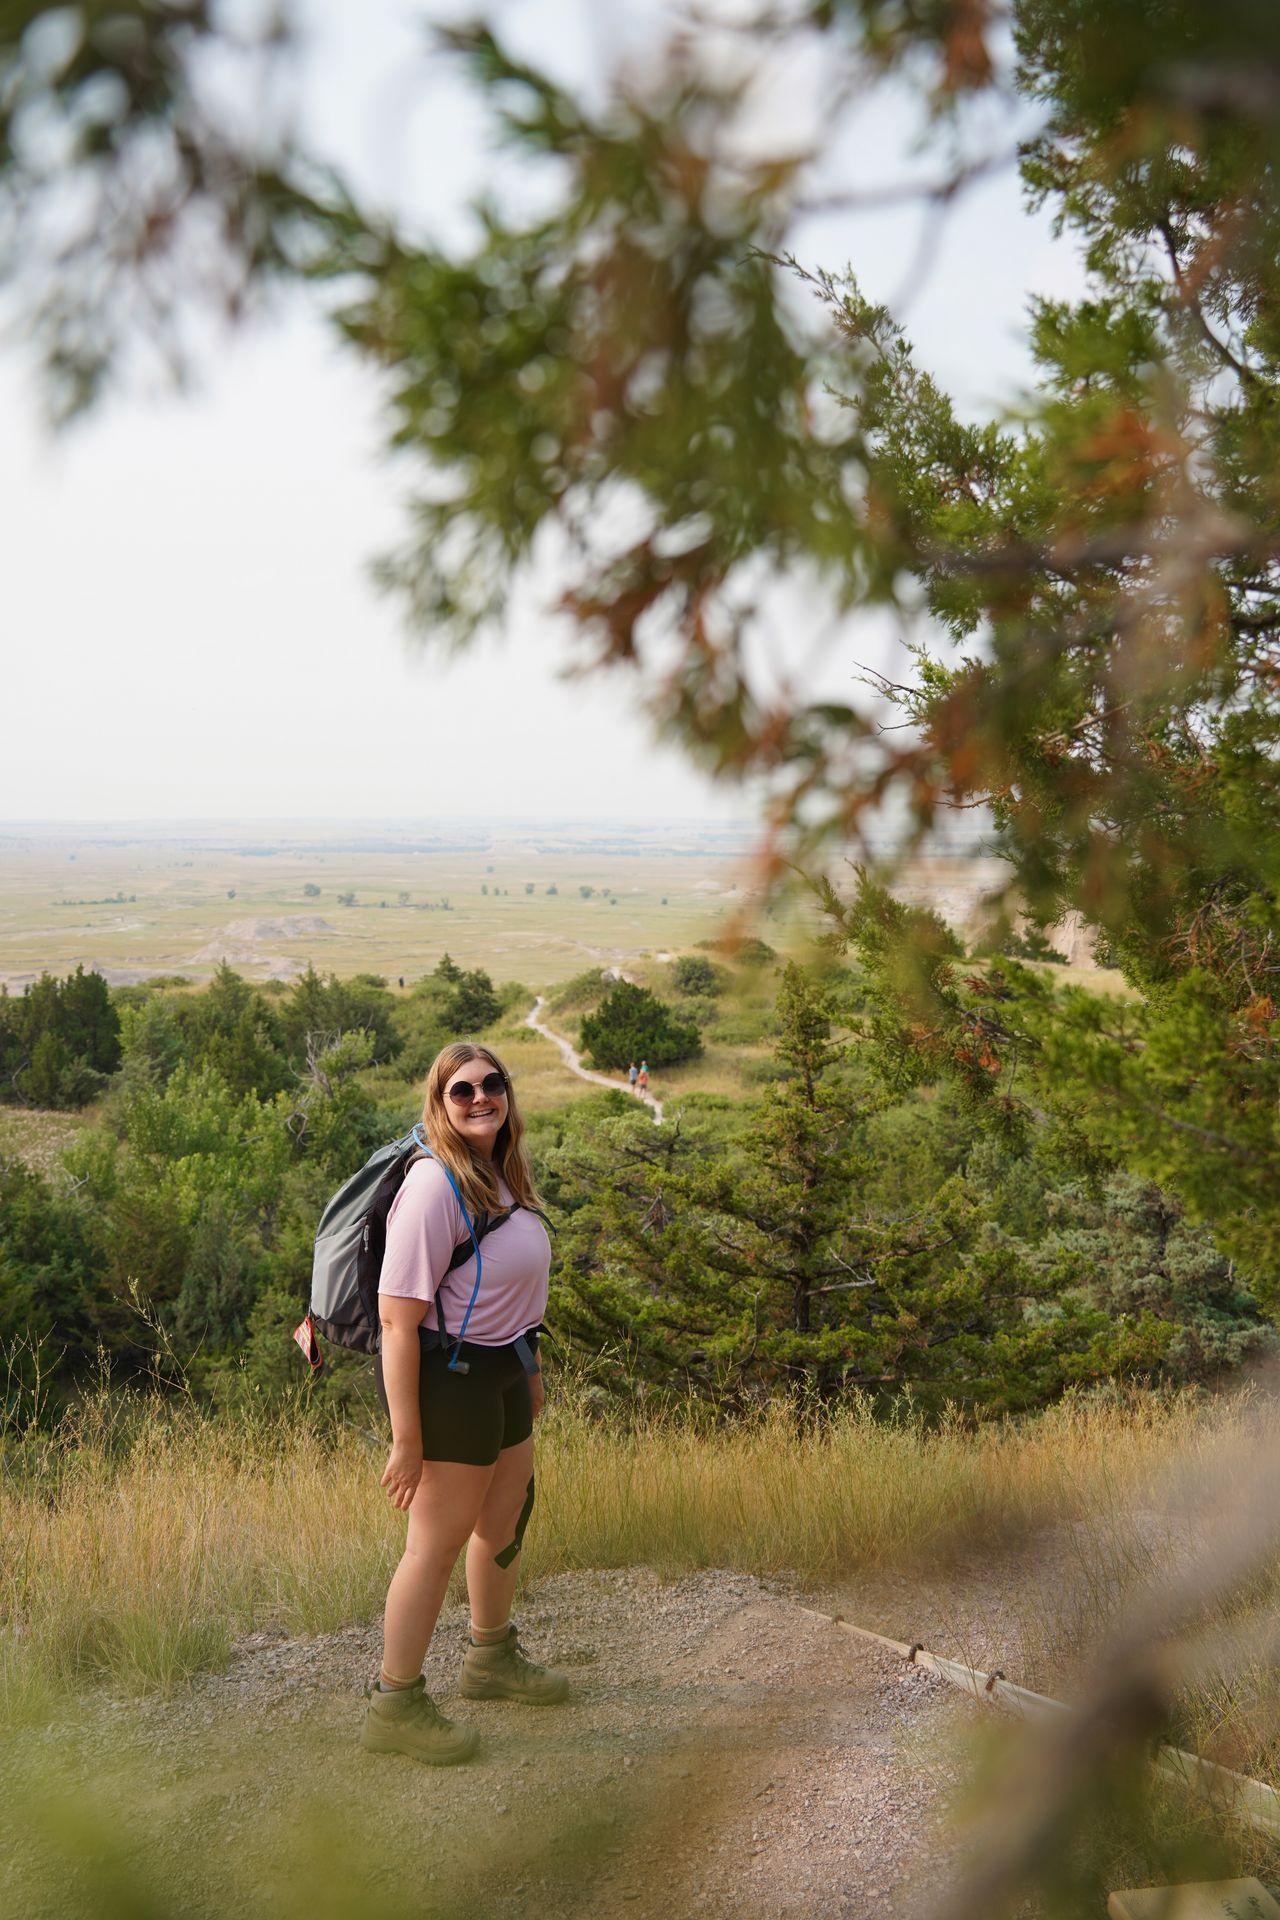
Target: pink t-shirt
{"points": [[424, 1226]]}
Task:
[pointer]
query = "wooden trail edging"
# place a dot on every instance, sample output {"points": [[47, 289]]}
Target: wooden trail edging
{"points": [[1234, 1793], [573, 1060]]}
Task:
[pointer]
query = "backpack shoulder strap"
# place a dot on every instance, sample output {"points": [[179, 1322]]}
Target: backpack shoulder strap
{"points": [[483, 1223]]}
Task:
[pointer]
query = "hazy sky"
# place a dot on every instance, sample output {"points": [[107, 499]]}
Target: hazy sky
{"points": [[190, 630]]}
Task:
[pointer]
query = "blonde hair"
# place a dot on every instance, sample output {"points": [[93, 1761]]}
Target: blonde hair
{"points": [[476, 1175]]}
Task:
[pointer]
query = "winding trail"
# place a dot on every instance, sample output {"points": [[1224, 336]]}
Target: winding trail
{"points": [[573, 1059]]}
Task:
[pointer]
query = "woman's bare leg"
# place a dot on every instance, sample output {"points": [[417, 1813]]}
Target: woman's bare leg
{"points": [[489, 1586], [444, 1510]]}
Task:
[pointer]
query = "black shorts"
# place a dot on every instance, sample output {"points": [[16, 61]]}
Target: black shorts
{"points": [[470, 1417]]}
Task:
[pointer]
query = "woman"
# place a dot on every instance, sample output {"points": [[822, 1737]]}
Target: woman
{"points": [[461, 1460]]}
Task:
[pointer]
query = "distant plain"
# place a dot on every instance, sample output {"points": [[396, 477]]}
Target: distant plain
{"points": [[135, 902]]}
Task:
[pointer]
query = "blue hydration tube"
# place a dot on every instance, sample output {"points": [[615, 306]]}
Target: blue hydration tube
{"points": [[455, 1364]]}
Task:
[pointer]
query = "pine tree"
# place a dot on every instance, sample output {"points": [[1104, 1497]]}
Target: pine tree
{"points": [[236, 1032], [811, 1286], [743, 1258]]}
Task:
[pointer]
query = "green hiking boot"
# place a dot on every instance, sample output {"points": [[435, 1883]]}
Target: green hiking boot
{"points": [[501, 1672], [409, 1721]]}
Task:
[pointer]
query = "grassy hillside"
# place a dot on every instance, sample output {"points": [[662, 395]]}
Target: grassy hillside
{"points": [[139, 1539]]}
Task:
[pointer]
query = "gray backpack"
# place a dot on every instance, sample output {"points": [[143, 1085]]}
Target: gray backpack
{"points": [[350, 1242]]}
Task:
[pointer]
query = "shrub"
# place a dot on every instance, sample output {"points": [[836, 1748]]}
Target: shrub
{"points": [[748, 952], [583, 991], [695, 975], [474, 1004], [631, 1023]]}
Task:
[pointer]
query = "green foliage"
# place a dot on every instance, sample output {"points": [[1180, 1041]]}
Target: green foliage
{"points": [[55, 1307], [731, 1251], [693, 975], [335, 1120], [842, 1229], [154, 1038], [631, 1023], [582, 992], [318, 1009], [59, 1040], [1031, 944], [1176, 1086], [473, 1003], [840, 1232], [448, 1004], [233, 1030], [423, 1024], [1129, 1255]]}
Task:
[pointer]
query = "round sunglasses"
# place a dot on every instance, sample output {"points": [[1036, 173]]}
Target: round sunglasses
{"points": [[462, 1093]]}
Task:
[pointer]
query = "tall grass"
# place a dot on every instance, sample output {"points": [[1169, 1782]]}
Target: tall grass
{"points": [[144, 1534], [1126, 1559]]}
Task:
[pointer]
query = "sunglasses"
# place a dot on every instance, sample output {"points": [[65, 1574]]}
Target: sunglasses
{"points": [[462, 1093]]}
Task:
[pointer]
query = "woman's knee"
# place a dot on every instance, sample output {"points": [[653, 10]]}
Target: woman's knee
{"points": [[434, 1551], [502, 1522], [439, 1536]]}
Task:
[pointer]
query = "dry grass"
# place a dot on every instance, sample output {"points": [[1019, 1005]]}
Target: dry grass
{"points": [[143, 1537], [37, 1136], [718, 1069], [542, 1079], [1124, 1560]]}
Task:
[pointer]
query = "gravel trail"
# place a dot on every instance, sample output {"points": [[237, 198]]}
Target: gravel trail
{"points": [[722, 1754], [573, 1060]]}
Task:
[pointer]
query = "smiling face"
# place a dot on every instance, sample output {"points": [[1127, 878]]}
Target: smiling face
{"points": [[480, 1118]]}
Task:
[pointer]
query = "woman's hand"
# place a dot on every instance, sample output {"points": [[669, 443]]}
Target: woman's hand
{"points": [[537, 1394], [403, 1472]]}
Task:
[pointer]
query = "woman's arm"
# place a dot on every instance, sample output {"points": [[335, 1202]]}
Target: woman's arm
{"points": [[401, 1363]]}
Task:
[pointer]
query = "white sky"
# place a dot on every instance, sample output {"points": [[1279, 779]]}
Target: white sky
{"points": [[190, 630]]}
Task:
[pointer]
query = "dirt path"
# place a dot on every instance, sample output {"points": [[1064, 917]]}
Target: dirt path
{"points": [[723, 1754], [573, 1060]]}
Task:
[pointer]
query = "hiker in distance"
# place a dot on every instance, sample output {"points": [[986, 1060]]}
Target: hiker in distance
{"points": [[461, 1410], [633, 1074]]}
